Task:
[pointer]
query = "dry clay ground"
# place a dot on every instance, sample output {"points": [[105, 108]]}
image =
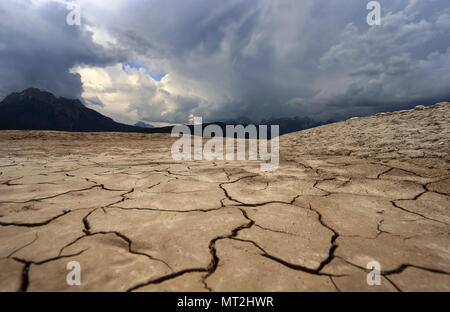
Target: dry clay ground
{"points": [[345, 194]]}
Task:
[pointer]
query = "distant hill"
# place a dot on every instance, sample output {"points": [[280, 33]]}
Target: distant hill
{"points": [[33, 109], [286, 124], [240, 121], [142, 124], [294, 124]]}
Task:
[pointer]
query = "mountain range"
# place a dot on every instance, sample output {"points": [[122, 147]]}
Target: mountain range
{"points": [[33, 109], [286, 124]]}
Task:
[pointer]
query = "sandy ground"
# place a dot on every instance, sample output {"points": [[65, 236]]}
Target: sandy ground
{"points": [[363, 190]]}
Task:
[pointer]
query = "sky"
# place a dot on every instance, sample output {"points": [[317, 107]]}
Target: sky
{"points": [[166, 60]]}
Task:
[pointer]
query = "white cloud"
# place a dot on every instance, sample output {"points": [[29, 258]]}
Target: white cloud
{"points": [[131, 94]]}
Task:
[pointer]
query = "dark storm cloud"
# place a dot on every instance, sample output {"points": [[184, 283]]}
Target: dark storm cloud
{"points": [[256, 58], [38, 48], [301, 57]]}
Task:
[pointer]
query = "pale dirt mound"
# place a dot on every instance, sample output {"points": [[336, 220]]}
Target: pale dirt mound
{"points": [[368, 189], [417, 133]]}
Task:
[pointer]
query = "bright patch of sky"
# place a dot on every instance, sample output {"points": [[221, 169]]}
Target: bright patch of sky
{"points": [[158, 75]]}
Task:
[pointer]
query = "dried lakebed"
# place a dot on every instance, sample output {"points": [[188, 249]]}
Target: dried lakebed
{"points": [[345, 194]]}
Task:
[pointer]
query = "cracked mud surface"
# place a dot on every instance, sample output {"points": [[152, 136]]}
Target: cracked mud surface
{"points": [[366, 189]]}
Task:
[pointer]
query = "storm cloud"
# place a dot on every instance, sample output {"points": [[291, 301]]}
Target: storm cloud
{"points": [[163, 60]]}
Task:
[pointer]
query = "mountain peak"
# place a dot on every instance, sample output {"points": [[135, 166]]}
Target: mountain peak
{"points": [[29, 94], [33, 109], [31, 91], [37, 93]]}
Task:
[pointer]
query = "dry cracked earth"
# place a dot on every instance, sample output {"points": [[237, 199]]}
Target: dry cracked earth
{"points": [[346, 194]]}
